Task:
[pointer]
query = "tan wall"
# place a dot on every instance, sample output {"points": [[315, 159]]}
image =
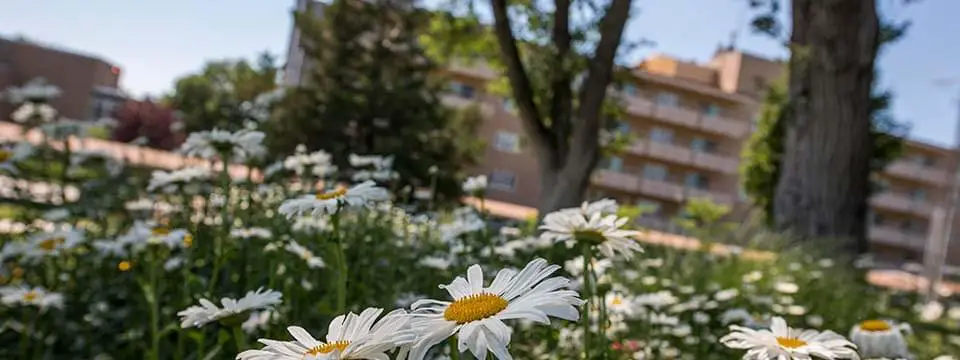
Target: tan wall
{"points": [[75, 75]]}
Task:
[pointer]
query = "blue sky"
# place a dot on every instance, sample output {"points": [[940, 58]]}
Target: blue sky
{"points": [[155, 41]]}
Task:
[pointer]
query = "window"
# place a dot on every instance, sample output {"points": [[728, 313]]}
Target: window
{"points": [[918, 195], [623, 127], [923, 160], [508, 104], [702, 145], [655, 172], [907, 226], [502, 180], [661, 135], [630, 89], [507, 142], [696, 181], [711, 110], [463, 90], [759, 84], [615, 163], [101, 107], [668, 99], [648, 207]]}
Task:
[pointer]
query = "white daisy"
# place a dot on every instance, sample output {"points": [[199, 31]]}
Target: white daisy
{"points": [[53, 243], [475, 184], [258, 320], [142, 234], [110, 248], [477, 313], [27, 296], [197, 316], [349, 336], [162, 179], [35, 90], [376, 161], [782, 342], [249, 233], [11, 154], [604, 232], [331, 202], [241, 145], [602, 206], [378, 175], [312, 260], [880, 338], [319, 161]]}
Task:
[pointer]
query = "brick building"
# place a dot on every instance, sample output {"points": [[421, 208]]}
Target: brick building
{"points": [[88, 85]]}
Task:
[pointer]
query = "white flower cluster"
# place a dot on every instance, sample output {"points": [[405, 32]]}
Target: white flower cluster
{"points": [[239, 146]]}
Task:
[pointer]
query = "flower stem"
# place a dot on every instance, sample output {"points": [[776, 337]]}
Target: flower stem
{"points": [[341, 264], [25, 332], [225, 224], [588, 296], [454, 352], [239, 338], [150, 294]]}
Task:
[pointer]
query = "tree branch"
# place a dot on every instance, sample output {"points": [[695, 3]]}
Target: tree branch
{"points": [[600, 73], [561, 105], [519, 81]]}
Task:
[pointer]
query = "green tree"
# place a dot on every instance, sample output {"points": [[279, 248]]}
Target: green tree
{"points": [[828, 122], [558, 60], [214, 97], [371, 89], [763, 153]]}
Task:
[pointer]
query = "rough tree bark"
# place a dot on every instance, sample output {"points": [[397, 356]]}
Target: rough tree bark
{"points": [[824, 187], [566, 138]]}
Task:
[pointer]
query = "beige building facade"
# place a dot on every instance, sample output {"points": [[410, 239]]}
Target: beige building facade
{"points": [[689, 123]]}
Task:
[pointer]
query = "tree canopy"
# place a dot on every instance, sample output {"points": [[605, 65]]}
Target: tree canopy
{"points": [[371, 89], [213, 97]]}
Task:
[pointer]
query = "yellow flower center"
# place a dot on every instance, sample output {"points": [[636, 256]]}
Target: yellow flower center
{"points": [[31, 295], [327, 348], [474, 307], [306, 254], [589, 236], [160, 231], [124, 265], [791, 343], [875, 326], [51, 244], [5, 155], [17, 272], [187, 240], [617, 300], [332, 194]]}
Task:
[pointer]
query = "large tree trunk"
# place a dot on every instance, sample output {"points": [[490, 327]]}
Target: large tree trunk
{"points": [[824, 187], [564, 137]]}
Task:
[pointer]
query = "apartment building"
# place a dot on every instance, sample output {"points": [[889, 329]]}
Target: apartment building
{"points": [[89, 85], [689, 122]]}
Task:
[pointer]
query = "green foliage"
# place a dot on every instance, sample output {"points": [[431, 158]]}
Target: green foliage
{"points": [[371, 89], [212, 98], [703, 218]]}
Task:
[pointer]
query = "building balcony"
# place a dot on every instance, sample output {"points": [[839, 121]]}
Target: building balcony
{"points": [[455, 101], [655, 189], [917, 172], [688, 118], [901, 203], [892, 236], [685, 156]]}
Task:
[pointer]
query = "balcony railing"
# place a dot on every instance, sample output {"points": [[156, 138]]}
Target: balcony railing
{"points": [[687, 118], [655, 189], [685, 156], [893, 236], [900, 203], [918, 172]]}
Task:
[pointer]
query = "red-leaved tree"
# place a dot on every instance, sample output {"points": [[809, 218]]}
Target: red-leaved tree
{"points": [[149, 120]]}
